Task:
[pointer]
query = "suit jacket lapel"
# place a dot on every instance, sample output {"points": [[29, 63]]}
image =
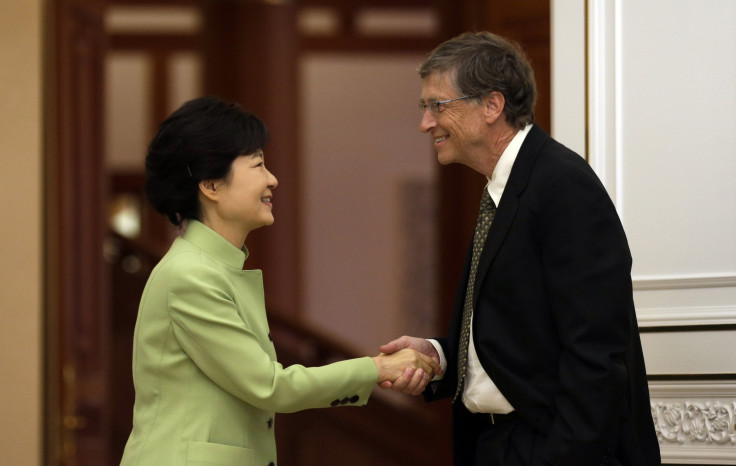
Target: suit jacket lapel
{"points": [[509, 204]]}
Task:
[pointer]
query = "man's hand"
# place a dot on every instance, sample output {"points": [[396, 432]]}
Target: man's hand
{"points": [[406, 362], [411, 381]]}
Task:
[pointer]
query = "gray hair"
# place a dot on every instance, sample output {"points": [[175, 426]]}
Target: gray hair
{"points": [[483, 62]]}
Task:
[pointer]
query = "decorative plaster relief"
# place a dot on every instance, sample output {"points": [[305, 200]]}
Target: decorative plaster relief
{"points": [[695, 421]]}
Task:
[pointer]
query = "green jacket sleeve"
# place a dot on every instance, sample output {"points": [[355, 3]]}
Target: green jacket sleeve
{"points": [[207, 325]]}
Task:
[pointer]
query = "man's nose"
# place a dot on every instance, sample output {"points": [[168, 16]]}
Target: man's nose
{"points": [[428, 122]]}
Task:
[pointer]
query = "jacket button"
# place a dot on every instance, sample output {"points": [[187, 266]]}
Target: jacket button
{"points": [[345, 401], [354, 399], [335, 403], [269, 423], [271, 464], [269, 337]]}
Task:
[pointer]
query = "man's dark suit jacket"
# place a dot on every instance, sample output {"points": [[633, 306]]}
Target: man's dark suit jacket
{"points": [[554, 320]]}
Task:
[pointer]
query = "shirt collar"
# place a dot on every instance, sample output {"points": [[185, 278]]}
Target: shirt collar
{"points": [[499, 177], [211, 242]]}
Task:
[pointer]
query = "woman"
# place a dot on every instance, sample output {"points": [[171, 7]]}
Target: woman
{"points": [[205, 372]]}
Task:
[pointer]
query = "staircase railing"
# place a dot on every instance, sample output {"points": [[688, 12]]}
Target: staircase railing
{"points": [[393, 429]]}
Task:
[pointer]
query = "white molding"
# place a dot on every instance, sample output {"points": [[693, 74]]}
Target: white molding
{"points": [[690, 389], [604, 95], [569, 88], [686, 316], [678, 282], [675, 316], [697, 455], [618, 96], [695, 420]]}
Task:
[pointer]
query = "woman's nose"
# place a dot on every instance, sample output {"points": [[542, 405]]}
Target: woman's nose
{"points": [[272, 181]]}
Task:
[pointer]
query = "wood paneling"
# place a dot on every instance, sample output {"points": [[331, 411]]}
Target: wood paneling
{"points": [[250, 52], [388, 431], [353, 44], [77, 292], [528, 23]]}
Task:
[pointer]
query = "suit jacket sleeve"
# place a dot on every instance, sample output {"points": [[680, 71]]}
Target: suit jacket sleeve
{"points": [[445, 387], [587, 266], [207, 325]]}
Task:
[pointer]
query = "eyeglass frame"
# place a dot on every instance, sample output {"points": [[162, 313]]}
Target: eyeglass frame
{"points": [[427, 105]]}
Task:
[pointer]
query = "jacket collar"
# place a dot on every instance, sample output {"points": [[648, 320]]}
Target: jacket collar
{"points": [[507, 208], [211, 242]]}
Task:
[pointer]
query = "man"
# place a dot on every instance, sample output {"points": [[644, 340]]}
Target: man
{"points": [[551, 366]]}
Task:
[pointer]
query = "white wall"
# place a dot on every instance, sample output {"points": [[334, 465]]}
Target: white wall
{"points": [[20, 232], [660, 127]]}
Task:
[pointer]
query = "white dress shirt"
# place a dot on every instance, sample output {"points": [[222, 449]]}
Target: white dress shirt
{"points": [[480, 394]]}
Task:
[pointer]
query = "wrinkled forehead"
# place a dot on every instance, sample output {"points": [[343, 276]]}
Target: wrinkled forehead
{"points": [[438, 85]]}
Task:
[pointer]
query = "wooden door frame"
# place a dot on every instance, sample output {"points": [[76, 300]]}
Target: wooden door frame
{"points": [[76, 292]]}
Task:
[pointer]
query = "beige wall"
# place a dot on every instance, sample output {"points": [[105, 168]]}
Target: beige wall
{"points": [[20, 232]]}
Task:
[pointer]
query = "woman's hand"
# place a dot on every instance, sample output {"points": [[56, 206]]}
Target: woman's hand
{"points": [[412, 381], [416, 366]]}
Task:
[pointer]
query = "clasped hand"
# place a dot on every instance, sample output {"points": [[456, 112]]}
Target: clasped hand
{"points": [[407, 365]]}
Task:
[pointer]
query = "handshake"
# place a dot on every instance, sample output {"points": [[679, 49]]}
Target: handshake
{"points": [[407, 364]]}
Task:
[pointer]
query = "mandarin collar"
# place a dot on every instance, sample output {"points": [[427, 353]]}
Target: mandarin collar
{"points": [[215, 244]]}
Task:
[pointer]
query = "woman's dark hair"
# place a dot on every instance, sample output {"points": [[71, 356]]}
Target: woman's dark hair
{"points": [[483, 62], [199, 141]]}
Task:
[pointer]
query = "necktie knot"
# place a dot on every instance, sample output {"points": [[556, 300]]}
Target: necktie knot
{"points": [[486, 203]]}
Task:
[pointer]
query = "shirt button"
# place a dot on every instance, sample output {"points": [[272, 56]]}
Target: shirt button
{"points": [[335, 403], [354, 399], [344, 401], [269, 423]]}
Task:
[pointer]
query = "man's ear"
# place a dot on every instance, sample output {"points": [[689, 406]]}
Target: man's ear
{"points": [[209, 189], [494, 105]]}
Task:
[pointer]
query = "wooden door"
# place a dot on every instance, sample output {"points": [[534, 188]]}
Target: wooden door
{"points": [[82, 339]]}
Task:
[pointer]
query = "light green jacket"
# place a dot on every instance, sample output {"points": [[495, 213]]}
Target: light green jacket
{"points": [[206, 378]]}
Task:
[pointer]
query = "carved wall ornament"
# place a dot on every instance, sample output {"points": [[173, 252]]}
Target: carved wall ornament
{"points": [[699, 422]]}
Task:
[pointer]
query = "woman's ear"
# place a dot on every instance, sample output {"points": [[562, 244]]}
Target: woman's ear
{"points": [[209, 189]]}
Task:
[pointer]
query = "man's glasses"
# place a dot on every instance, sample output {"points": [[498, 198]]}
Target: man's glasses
{"points": [[435, 106]]}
